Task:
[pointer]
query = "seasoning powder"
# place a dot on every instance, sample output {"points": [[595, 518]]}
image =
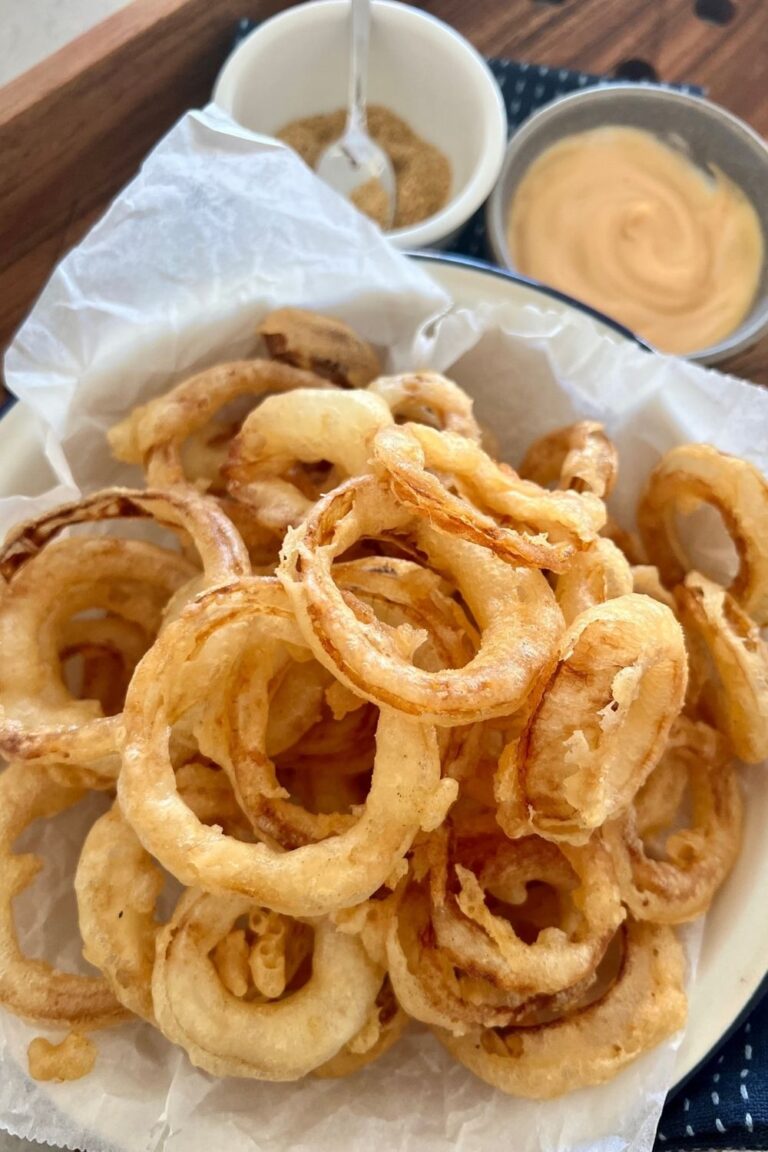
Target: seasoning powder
{"points": [[422, 172]]}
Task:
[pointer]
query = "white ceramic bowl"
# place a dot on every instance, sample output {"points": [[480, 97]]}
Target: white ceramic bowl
{"points": [[295, 65]]}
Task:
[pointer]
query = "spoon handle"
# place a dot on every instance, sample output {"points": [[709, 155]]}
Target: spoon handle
{"points": [[358, 71]]}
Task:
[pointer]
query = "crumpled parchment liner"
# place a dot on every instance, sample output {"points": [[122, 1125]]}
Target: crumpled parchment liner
{"points": [[219, 227]]}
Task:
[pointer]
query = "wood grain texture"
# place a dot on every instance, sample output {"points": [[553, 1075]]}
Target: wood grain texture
{"points": [[74, 129]]}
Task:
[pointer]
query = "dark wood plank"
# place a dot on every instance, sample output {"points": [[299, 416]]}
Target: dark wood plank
{"points": [[74, 129]]}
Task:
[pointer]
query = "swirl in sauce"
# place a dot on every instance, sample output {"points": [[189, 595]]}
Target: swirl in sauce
{"points": [[618, 219]]}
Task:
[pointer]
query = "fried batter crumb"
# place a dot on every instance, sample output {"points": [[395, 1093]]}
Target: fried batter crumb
{"points": [[71, 1059]]}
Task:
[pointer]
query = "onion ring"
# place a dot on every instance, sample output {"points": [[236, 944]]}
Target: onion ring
{"points": [[300, 426], [403, 594], [432, 989], [153, 435], [734, 649], [599, 573], [320, 344], [699, 856], [229, 1037], [406, 790], [487, 944], [33, 989], [514, 608], [579, 457], [429, 398], [381, 1031], [39, 719], [118, 884], [601, 724], [219, 547], [692, 474], [644, 1005], [538, 528]]}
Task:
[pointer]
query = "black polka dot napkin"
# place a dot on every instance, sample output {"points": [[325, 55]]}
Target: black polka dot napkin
{"points": [[725, 1103]]}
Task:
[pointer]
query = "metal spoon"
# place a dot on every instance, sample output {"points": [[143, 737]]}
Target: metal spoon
{"points": [[355, 159]]}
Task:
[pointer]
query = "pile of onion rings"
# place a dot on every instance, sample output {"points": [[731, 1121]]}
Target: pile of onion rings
{"points": [[417, 736]]}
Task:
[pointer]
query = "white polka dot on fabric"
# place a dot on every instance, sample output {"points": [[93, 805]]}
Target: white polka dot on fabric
{"points": [[716, 1078], [514, 107], [689, 1131], [744, 1093], [719, 1124], [583, 80], [720, 1059], [519, 86], [715, 1099], [748, 1121], [747, 1027], [744, 1073], [543, 70], [686, 1104], [662, 1137], [747, 1051]]}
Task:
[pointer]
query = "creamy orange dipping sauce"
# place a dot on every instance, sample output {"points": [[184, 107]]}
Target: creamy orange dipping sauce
{"points": [[618, 219]]}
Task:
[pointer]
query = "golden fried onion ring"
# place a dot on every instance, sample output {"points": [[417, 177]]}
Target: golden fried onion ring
{"points": [[644, 1005], [39, 719], [514, 608], [118, 884], [385, 1025], [432, 988], [692, 474], [429, 398], [579, 457], [219, 547], [699, 856], [227, 1036], [406, 791], [599, 573], [153, 435], [725, 639], [601, 724], [31, 988], [518, 521], [301, 426], [320, 344], [487, 944], [403, 593]]}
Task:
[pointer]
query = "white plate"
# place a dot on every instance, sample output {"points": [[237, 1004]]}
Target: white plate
{"points": [[734, 958]]}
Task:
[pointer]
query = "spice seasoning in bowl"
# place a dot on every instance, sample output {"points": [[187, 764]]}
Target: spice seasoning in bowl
{"points": [[422, 172], [623, 221]]}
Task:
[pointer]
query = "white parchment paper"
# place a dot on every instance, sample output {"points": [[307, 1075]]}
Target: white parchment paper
{"points": [[220, 227]]}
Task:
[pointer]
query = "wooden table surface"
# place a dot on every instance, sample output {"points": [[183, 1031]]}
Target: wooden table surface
{"points": [[75, 128]]}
